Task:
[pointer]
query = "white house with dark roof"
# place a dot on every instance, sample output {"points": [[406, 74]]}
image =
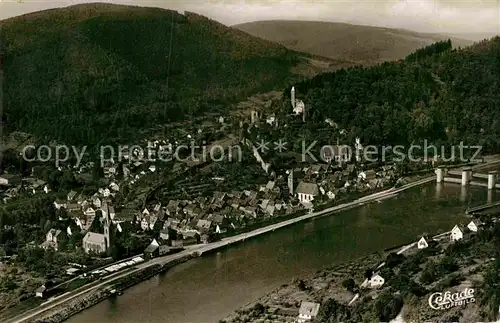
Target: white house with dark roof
{"points": [[52, 239], [306, 192], [307, 311], [96, 201]]}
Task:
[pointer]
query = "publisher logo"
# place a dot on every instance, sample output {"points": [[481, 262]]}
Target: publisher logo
{"points": [[442, 301]]}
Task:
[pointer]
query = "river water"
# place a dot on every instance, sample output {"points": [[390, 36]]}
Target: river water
{"points": [[209, 288]]}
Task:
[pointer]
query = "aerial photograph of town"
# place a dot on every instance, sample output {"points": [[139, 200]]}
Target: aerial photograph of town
{"points": [[240, 161]]}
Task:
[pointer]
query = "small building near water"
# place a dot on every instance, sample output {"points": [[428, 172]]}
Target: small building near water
{"points": [[308, 311]]}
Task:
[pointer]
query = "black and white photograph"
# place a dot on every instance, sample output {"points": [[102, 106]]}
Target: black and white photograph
{"points": [[249, 161]]}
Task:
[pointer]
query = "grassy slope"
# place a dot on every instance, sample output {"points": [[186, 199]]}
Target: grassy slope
{"points": [[101, 71], [361, 44]]}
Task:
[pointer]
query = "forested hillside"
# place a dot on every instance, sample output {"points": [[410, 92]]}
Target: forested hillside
{"points": [[94, 72], [438, 94]]}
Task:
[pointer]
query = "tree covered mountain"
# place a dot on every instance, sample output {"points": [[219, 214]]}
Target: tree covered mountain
{"points": [[440, 94], [94, 72]]}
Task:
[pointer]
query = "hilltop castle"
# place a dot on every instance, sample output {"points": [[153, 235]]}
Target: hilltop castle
{"points": [[297, 105]]}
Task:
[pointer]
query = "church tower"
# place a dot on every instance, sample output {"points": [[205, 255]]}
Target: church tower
{"points": [[292, 96]]}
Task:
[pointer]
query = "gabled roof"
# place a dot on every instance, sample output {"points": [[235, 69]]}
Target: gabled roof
{"points": [[236, 194], [316, 168], [218, 218], [203, 224]]}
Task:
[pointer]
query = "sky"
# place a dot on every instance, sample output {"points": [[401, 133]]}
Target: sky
{"points": [[441, 16]]}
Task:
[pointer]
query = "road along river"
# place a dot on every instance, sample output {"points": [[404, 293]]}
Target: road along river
{"points": [[208, 288]]}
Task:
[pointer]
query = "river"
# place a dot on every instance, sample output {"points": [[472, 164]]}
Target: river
{"points": [[209, 288]]}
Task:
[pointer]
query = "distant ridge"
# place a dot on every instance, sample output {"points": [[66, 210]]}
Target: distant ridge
{"points": [[356, 43]]}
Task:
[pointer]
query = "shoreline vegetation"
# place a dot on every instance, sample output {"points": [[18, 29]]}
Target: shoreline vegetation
{"points": [[411, 277], [64, 311]]}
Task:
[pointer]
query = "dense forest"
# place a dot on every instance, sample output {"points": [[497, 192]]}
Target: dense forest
{"points": [[95, 72], [440, 94]]}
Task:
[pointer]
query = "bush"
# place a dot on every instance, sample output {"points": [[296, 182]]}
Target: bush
{"points": [[388, 306]]}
